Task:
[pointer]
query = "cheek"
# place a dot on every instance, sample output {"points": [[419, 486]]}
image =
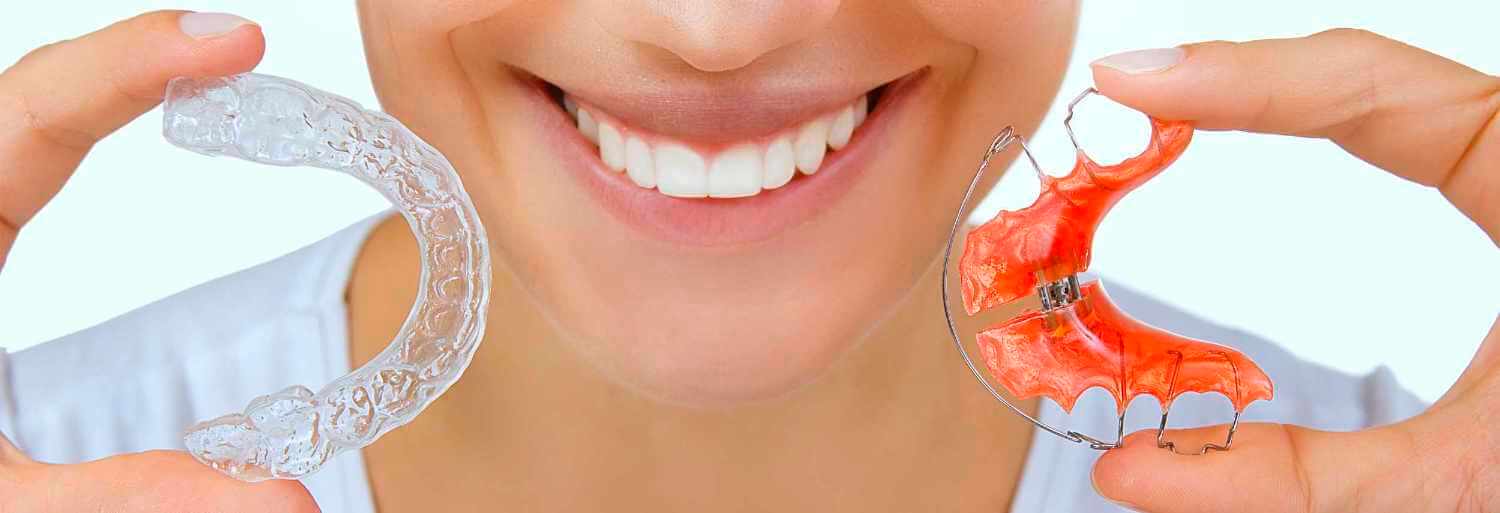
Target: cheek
{"points": [[1017, 54], [690, 327], [994, 26]]}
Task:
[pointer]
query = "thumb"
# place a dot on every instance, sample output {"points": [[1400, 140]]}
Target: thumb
{"points": [[1271, 467], [161, 481]]}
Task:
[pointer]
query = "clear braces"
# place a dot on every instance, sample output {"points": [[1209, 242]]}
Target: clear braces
{"points": [[293, 432]]}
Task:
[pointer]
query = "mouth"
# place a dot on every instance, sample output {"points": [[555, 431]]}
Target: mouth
{"points": [[720, 169]]}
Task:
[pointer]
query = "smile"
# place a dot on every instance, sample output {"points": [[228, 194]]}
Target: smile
{"points": [[678, 169], [721, 170]]}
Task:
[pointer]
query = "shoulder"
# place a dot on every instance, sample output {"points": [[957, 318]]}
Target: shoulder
{"points": [[136, 381]]}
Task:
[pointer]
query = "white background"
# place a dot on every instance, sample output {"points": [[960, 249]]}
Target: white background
{"points": [[1287, 238]]}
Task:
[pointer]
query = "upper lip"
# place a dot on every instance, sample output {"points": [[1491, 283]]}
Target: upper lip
{"points": [[718, 109]]}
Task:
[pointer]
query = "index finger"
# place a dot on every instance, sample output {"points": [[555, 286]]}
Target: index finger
{"points": [[57, 101], [1416, 114]]}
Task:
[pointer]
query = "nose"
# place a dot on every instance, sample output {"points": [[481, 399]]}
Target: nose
{"points": [[715, 35]]}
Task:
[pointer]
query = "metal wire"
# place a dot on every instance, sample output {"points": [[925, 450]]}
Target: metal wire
{"points": [[1068, 120], [1172, 387], [1000, 143]]}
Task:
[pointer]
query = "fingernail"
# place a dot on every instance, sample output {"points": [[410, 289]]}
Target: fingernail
{"points": [[205, 25], [1143, 61]]}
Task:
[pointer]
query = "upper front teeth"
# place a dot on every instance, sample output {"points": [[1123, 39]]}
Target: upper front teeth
{"points": [[588, 126], [611, 147], [811, 143], [680, 171], [742, 170], [737, 173]]}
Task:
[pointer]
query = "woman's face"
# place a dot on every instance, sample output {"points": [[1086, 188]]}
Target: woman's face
{"points": [[699, 274]]}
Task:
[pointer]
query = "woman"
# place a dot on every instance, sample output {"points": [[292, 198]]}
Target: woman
{"points": [[770, 348]]}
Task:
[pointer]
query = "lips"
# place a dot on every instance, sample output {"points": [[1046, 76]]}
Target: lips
{"points": [[742, 184]]}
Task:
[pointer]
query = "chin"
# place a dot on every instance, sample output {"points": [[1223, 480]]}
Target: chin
{"points": [[695, 299], [722, 364], [727, 237]]}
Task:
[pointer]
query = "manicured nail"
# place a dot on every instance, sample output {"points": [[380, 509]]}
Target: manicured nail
{"points": [[205, 25], [1143, 61]]}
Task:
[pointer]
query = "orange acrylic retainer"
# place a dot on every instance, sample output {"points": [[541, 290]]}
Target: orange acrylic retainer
{"points": [[1078, 339]]}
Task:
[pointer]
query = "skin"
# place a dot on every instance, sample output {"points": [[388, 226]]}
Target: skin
{"points": [[836, 407]]}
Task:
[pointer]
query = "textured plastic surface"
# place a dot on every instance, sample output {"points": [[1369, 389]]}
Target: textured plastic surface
{"points": [[1006, 258], [1064, 351], [292, 432], [1091, 343]]}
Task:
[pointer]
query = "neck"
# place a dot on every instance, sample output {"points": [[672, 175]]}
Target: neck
{"points": [[897, 424]]}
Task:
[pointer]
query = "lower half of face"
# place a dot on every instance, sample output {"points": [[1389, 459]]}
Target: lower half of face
{"points": [[714, 202]]}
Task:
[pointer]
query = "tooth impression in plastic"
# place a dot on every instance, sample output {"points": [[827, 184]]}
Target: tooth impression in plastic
{"points": [[271, 120]]}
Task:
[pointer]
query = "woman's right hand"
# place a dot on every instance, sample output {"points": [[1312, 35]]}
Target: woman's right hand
{"points": [[55, 103], [60, 99]]}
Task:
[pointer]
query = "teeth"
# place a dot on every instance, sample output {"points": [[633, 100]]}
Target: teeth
{"points": [[611, 147], [639, 164], [736, 173], [680, 172], [842, 128], [587, 126], [781, 163], [675, 169], [811, 143]]}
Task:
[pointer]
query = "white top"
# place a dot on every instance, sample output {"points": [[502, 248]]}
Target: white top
{"points": [[136, 381]]}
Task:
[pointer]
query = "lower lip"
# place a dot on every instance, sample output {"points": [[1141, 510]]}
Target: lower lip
{"points": [[733, 221]]}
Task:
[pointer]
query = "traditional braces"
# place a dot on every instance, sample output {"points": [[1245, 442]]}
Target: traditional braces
{"points": [[1060, 293]]}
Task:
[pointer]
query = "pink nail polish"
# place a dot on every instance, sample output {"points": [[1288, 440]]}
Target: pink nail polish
{"points": [[1140, 62], [206, 25]]}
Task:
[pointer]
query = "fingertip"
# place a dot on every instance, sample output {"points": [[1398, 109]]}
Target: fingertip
{"points": [[209, 25], [242, 50], [1116, 474], [1138, 90], [220, 43], [160, 45], [1177, 83], [289, 496], [1114, 84], [1124, 75], [1141, 62]]}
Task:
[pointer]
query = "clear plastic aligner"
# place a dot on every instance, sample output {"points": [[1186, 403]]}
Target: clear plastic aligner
{"points": [[271, 120]]}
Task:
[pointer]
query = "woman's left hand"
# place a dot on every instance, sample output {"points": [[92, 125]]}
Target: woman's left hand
{"points": [[1412, 113]]}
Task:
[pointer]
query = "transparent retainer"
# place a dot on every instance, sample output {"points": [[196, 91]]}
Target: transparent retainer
{"points": [[293, 432]]}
